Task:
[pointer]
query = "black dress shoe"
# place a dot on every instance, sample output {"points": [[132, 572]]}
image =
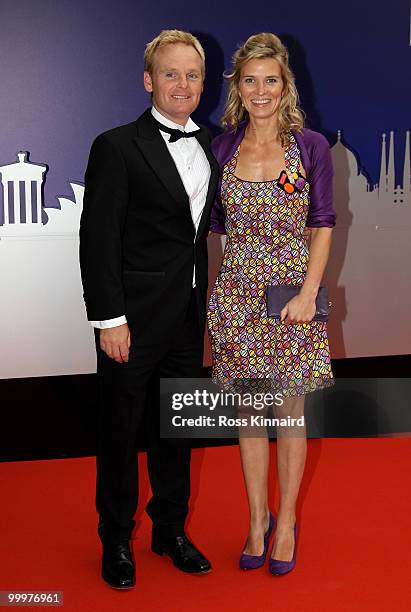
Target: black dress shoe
{"points": [[185, 556], [118, 566]]}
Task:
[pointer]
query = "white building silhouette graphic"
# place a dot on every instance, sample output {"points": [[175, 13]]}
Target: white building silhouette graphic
{"points": [[381, 204], [43, 324], [367, 273], [30, 175], [386, 186], [23, 209]]}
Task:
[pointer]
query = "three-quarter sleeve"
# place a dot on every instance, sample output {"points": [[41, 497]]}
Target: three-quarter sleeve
{"points": [[321, 211], [217, 218]]}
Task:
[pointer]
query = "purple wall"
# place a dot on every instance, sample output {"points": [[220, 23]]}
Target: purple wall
{"points": [[70, 70]]}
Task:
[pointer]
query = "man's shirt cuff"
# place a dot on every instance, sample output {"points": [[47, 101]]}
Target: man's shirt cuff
{"points": [[109, 323]]}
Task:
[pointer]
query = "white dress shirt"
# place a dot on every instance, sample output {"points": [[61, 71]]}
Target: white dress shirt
{"points": [[194, 170]]}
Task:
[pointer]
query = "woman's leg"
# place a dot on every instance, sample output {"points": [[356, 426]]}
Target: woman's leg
{"points": [[291, 455], [255, 460]]}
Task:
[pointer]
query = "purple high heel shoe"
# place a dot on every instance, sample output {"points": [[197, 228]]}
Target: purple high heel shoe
{"points": [[279, 568], [249, 562]]}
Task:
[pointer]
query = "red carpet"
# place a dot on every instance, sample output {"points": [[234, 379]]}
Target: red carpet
{"points": [[354, 551]]}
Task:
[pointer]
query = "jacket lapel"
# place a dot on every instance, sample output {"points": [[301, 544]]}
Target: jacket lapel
{"points": [[202, 138], [154, 149]]}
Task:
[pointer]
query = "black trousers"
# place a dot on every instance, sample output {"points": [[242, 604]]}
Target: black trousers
{"points": [[123, 395]]}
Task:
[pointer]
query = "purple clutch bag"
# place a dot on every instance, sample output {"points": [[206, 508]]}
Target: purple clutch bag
{"points": [[277, 297]]}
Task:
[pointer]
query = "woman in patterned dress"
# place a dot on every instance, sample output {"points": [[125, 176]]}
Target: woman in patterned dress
{"points": [[265, 214]]}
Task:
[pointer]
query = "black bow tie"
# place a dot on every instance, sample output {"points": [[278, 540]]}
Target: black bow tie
{"points": [[174, 133]]}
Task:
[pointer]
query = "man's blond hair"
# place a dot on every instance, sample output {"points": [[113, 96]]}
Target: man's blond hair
{"points": [[171, 37]]}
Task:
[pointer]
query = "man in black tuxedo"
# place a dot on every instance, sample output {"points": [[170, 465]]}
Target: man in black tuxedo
{"points": [[143, 254]]}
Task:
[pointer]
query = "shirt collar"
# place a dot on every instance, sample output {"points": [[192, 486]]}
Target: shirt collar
{"points": [[189, 127]]}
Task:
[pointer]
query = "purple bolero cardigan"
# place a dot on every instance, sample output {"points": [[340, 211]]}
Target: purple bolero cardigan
{"points": [[316, 160]]}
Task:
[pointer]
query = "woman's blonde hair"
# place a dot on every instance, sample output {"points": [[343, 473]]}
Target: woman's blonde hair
{"points": [[290, 116], [171, 37]]}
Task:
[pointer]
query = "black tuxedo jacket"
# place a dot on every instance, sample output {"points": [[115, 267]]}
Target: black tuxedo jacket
{"points": [[137, 239]]}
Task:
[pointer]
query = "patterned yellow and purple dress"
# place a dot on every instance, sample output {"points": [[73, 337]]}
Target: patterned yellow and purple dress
{"points": [[265, 245]]}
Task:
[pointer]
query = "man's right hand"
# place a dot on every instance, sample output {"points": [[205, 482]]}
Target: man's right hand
{"points": [[115, 342]]}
